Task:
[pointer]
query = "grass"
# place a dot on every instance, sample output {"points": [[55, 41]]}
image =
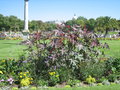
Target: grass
{"points": [[114, 50], [111, 87], [10, 49], [112, 33]]}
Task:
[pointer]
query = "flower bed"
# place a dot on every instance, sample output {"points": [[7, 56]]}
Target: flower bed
{"points": [[61, 59]]}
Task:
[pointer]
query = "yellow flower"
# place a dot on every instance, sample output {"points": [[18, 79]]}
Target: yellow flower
{"points": [[25, 82], [1, 72], [21, 73], [24, 74], [93, 80], [27, 72], [67, 86], [30, 82], [31, 78], [3, 61], [52, 73], [20, 76], [57, 75]]}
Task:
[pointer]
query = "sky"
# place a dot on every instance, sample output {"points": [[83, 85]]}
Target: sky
{"points": [[49, 10]]}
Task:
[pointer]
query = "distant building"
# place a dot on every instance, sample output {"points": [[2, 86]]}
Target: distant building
{"points": [[74, 17]]}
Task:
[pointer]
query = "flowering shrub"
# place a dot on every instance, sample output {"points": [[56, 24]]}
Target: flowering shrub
{"points": [[10, 71], [5, 79], [54, 78], [25, 79]]}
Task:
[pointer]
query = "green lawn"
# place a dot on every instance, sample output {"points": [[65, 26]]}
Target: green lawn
{"points": [[111, 33], [10, 49], [111, 87], [114, 50]]}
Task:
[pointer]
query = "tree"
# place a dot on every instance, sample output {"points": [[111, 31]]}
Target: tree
{"points": [[118, 24], [82, 21], [10, 23], [105, 24], [91, 24]]}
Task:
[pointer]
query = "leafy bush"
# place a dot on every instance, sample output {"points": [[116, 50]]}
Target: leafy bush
{"points": [[65, 74], [65, 49], [112, 66], [41, 82], [113, 77], [100, 80], [96, 70]]}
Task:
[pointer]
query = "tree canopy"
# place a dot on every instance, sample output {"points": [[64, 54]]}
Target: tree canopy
{"points": [[100, 24]]}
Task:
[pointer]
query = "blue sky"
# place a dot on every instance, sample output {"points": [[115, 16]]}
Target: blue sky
{"points": [[48, 10]]}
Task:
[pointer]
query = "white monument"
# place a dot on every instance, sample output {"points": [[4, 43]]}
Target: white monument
{"points": [[26, 16]]}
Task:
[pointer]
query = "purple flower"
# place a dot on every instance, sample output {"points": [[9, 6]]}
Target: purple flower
{"points": [[55, 67], [25, 61], [2, 80], [10, 80]]}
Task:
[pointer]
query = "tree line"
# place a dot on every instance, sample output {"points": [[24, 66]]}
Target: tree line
{"points": [[12, 23], [100, 24]]}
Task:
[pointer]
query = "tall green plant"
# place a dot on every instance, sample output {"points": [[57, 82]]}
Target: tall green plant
{"points": [[64, 48]]}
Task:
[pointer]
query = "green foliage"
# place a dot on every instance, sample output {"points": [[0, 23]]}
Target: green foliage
{"points": [[100, 80], [10, 23], [39, 25], [105, 24], [113, 77], [53, 78], [10, 70], [94, 69], [65, 74], [101, 24], [42, 82], [113, 65], [63, 49], [72, 82]]}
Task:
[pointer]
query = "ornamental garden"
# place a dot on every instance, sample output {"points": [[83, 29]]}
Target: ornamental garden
{"points": [[79, 54]]}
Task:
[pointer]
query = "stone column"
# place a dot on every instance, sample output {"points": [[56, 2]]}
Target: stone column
{"points": [[26, 15]]}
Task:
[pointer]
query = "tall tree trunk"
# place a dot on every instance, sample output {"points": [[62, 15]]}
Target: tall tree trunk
{"points": [[106, 32]]}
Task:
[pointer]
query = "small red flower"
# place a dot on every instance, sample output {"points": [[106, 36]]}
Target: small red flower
{"points": [[68, 26]]}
